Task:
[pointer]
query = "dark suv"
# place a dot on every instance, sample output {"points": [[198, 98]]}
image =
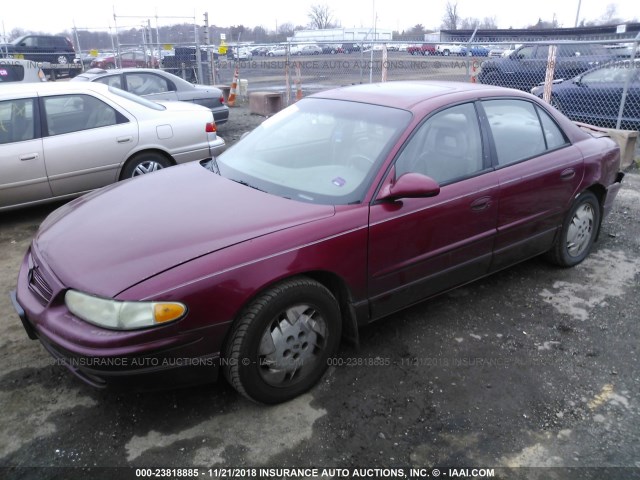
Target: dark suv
{"points": [[527, 66], [54, 49]]}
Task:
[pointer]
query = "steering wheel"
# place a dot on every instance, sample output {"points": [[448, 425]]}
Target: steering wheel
{"points": [[360, 162]]}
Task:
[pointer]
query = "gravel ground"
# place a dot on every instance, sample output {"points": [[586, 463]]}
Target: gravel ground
{"points": [[533, 372]]}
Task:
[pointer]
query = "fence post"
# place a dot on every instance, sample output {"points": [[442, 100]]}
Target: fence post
{"points": [[625, 90], [548, 79]]}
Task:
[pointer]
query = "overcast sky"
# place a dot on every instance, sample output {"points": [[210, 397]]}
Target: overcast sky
{"points": [[53, 17]]}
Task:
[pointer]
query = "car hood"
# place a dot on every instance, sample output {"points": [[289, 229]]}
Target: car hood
{"points": [[111, 239]]}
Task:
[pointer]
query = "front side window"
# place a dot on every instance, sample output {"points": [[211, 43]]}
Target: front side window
{"points": [[446, 147], [516, 130], [17, 122]]}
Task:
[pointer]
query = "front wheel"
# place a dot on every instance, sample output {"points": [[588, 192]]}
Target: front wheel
{"points": [[578, 232], [280, 345], [144, 163]]}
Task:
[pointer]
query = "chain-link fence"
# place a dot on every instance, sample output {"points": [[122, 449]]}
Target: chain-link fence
{"points": [[600, 80], [596, 82]]}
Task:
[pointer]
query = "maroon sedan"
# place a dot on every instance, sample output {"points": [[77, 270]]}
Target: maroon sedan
{"points": [[132, 59], [342, 209]]}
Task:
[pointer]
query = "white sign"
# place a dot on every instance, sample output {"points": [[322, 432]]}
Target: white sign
{"points": [[621, 29], [223, 36]]}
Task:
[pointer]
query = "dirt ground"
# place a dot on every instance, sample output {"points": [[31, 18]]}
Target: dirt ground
{"points": [[533, 372]]}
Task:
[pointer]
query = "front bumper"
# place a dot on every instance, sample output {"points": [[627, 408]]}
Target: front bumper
{"points": [[149, 359]]}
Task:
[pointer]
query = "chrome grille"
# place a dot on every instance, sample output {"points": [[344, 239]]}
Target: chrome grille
{"points": [[39, 286]]}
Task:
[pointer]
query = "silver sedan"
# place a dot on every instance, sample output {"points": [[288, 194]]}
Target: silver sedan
{"points": [[60, 140], [160, 85]]}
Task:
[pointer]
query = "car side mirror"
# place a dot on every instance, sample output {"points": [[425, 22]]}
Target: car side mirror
{"points": [[410, 185]]}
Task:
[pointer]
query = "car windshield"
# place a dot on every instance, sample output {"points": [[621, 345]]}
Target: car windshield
{"points": [[317, 150]]}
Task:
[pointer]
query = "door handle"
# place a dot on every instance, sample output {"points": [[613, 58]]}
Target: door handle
{"points": [[124, 139], [29, 156], [568, 174], [481, 203]]}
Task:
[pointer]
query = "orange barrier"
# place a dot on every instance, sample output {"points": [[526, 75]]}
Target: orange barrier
{"points": [[234, 89]]}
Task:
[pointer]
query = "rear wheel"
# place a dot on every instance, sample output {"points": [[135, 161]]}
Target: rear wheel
{"points": [[578, 232], [279, 346], [144, 163]]}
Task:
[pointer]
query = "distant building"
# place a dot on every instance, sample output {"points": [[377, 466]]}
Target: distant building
{"points": [[626, 32], [339, 35]]}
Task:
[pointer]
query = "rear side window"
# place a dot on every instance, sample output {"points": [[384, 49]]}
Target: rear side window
{"points": [[552, 133], [146, 83], [516, 130], [72, 113]]}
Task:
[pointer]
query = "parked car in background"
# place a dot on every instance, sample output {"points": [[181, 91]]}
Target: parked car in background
{"points": [[260, 51], [332, 48], [52, 49], [277, 51], [309, 50], [422, 49], [60, 140], [475, 50], [160, 85], [447, 49], [623, 50], [15, 70], [257, 264], [527, 66], [242, 53], [503, 50], [136, 59], [351, 47], [595, 96]]}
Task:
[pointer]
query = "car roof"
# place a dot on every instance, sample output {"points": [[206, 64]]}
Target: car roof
{"points": [[95, 73], [50, 88], [407, 94]]}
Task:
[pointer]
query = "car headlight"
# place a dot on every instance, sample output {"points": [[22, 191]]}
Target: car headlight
{"points": [[118, 315]]}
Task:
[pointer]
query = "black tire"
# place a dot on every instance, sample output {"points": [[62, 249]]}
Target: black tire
{"points": [[445, 53], [144, 163], [579, 231], [263, 365]]}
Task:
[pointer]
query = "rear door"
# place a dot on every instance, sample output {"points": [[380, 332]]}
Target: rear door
{"points": [[539, 173], [23, 176]]}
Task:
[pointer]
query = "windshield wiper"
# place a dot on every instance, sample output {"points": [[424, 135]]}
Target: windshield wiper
{"points": [[212, 165], [242, 182]]}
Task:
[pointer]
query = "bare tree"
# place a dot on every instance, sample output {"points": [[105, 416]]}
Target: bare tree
{"points": [[321, 17], [451, 18]]}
